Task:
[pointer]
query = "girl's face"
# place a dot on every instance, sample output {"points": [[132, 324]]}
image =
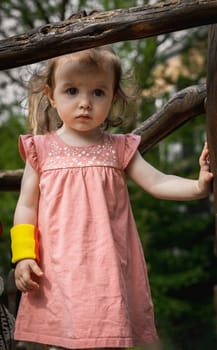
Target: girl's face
{"points": [[82, 95]]}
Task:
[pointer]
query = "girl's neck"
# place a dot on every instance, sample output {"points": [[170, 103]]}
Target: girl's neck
{"points": [[77, 138]]}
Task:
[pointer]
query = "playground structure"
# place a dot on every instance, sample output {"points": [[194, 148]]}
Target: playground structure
{"points": [[82, 31]]}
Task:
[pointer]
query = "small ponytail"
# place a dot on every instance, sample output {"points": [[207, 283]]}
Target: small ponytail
{"points": [[43, 117]]}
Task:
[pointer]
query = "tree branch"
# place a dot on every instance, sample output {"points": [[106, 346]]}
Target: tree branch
{"points": [[10, 180], [186, 104], [105, 27]]}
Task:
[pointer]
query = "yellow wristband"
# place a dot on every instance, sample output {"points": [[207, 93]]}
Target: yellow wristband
{"points": [[24, 242]]}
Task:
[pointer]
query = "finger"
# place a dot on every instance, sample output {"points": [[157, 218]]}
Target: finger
{"points": [[36, 269], [32, 285], [204, 158], [21, 286], [205, 150], [26, 281], [27, 285]]}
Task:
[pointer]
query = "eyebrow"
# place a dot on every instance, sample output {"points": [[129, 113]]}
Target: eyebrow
{"points": [[102, 84], [99, 84]]}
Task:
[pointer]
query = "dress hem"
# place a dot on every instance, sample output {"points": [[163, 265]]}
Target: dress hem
{"points": [[87, 343]]}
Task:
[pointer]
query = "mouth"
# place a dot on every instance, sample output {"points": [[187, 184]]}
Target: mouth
{"points": [[83, 116]]}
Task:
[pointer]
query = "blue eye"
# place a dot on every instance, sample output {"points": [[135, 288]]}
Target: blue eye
{"points": [[99, 92], [72, 91]]}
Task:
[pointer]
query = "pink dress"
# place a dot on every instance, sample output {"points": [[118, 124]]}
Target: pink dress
{"points": [[95, 290]]}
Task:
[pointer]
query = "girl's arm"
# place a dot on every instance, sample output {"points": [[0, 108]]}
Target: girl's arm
{"points": [[26, 213], [27, 205], [171, 187]]}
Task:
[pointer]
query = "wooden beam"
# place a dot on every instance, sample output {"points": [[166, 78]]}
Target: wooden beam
{"points": [[10, 180], [211, 107], [106, 27], [183, 106]]}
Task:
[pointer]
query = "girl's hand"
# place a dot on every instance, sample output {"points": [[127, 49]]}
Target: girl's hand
{"points": [[26, 273], [205, 176]]}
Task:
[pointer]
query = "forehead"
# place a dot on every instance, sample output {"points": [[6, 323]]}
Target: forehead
{"points": [[75, 64]]}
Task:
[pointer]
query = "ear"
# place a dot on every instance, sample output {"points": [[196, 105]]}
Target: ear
{"points": [[49, 92], [114, 99]]}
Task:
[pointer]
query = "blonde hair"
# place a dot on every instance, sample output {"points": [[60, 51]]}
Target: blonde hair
{"points": [[44, 118]]}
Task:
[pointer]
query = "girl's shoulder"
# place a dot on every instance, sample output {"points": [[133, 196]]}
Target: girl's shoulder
{"points": [[124, 140], [129, 137], [33, 141], [125, 145], [37, 137], [33, 147]]}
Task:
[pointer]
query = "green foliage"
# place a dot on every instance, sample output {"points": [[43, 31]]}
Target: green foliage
{"points": [[9, 160], [9, 131]]}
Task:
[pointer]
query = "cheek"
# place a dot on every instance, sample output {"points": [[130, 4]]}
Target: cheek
{"points": [[110, 105], [64, 102], [62, 109], [104, 109]]}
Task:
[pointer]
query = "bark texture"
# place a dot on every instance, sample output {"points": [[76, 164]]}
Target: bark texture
{"points": [[101, 28]]}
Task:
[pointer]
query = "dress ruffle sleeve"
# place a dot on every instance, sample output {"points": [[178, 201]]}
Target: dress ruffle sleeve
{"points": [[130, 146], [27, 150]]}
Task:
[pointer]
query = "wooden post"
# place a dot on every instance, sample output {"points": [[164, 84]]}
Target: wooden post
{"points": [[211, 109]]}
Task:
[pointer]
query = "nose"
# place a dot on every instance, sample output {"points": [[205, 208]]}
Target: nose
{"points": [[85, 102]]}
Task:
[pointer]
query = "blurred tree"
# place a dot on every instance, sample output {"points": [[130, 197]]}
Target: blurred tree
{"points": [[9, 159]]}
